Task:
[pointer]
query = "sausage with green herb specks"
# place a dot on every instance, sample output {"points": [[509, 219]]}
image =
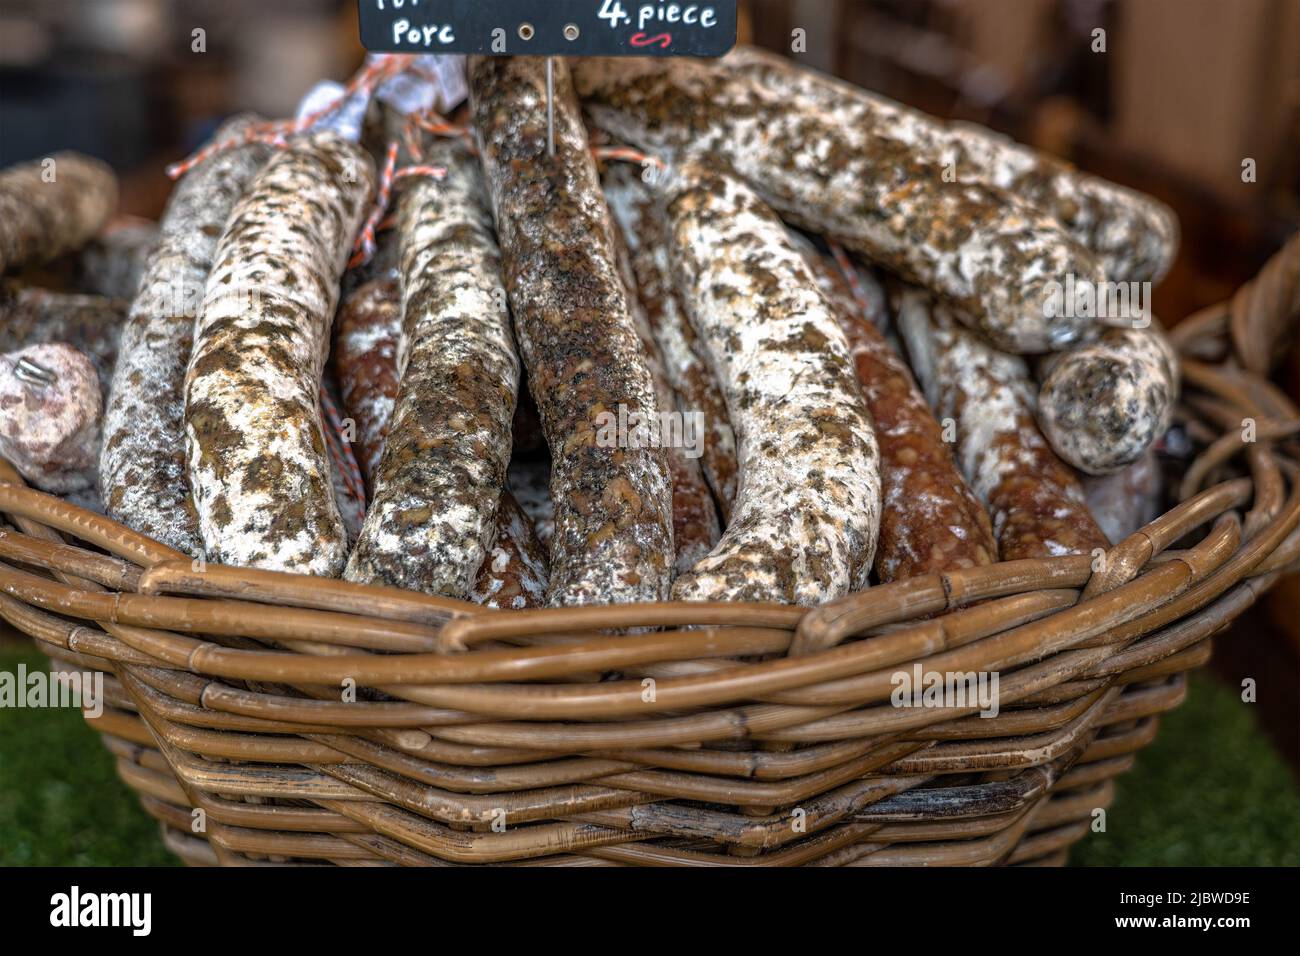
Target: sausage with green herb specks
{"points": [[433, 517], [1034, 498], [981, 248], [51, 206], [613, 506], [142, 466], [258, 466], [1134, 236], [930, 520], [637, 211], [1102, 405], [804, 526]]}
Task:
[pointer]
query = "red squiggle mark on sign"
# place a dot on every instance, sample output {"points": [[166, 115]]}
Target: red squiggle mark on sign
{"points": [[665, 40]]}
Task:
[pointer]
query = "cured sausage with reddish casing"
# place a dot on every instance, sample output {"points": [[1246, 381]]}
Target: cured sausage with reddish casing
{"points": [[983, 249], [1034, 499], [806, 516], [365, 355], [930, 520], [514, 574], [51, 206], [142, 470], [258, 466], [613, 538], [432, 519]]}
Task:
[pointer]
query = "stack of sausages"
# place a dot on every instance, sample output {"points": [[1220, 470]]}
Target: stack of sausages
{"points": [[817, 342]]}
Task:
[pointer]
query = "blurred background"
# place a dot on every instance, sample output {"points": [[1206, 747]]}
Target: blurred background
{"points": [[1171, 98]]}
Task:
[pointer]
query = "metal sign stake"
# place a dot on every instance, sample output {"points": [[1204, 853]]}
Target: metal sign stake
{"points": [[550, 106]]}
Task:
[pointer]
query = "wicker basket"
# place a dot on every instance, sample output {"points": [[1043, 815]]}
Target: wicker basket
{"points": [[734, 734]]}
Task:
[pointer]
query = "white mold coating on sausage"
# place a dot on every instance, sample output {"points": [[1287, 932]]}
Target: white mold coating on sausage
{"points": [[1103, 404], [1134, 236], [807, 513], [433, 514], [142, 470], [1034, 499], [258, 466], [984, 250], [637, 212], [52, 205]]}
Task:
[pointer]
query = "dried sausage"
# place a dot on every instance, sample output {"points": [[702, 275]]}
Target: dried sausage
{"points": [[1134, 236], [613, 506], [983, 249], [804, 526], [259, 471], [432, 519], [1103, 404], [52, 206], [142, 470], [931, 521], [636, 211], [49, 416], [1034, 499]]}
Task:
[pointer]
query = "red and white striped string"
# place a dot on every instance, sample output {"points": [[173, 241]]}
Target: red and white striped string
{"points": [[850, 272], [340, 450], [628, 155], [277, 133], [364, 249]]}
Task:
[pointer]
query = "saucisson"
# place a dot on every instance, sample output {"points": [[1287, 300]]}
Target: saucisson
{"points": [[142, 469], [1134, 236], [1034, 499], [258, 467], [1103, 404], [804, 525], [1128, 499], [90, 323], [984, 250], [365, 360], [51, 206], [49, 416], [613, 506], [514, 574], [433, 516], [114, 262], [930, 520], [636, 211], [695, 519]]}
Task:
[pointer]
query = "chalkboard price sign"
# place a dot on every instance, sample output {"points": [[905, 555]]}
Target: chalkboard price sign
{"points": [[550, 27]]}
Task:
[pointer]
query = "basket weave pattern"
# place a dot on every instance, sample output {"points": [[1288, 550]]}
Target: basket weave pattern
{"points": [[695, 734]]}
